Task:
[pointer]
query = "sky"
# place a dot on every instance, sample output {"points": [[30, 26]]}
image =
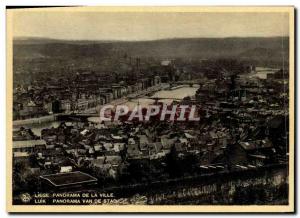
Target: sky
{"points": [[135, 26]]}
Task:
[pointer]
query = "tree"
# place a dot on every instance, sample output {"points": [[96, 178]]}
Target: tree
{"points": [[174, 167]]}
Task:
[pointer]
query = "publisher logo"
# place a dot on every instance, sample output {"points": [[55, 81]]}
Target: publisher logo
{"points": [[25, 197]]}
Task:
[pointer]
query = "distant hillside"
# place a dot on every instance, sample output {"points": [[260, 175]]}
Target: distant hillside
{"points": [[256, 49]]}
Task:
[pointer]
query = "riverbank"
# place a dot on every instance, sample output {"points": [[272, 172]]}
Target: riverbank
{"points": [[36, 120], [125, 99]]}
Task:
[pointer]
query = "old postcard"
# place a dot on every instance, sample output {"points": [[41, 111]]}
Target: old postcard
{"points": [[150, 109]]}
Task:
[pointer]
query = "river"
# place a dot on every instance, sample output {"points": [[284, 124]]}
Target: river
{"points": [[177, 93], [262, 72], [169, 95]]}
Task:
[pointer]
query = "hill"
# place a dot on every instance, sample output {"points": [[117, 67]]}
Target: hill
{"points": [[260, 50]]}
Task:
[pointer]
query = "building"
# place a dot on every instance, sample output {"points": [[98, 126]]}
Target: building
{"points": [[28, 145]]}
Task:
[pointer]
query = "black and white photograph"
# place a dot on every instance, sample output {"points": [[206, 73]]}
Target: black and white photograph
{"points": [[150, 109]]}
